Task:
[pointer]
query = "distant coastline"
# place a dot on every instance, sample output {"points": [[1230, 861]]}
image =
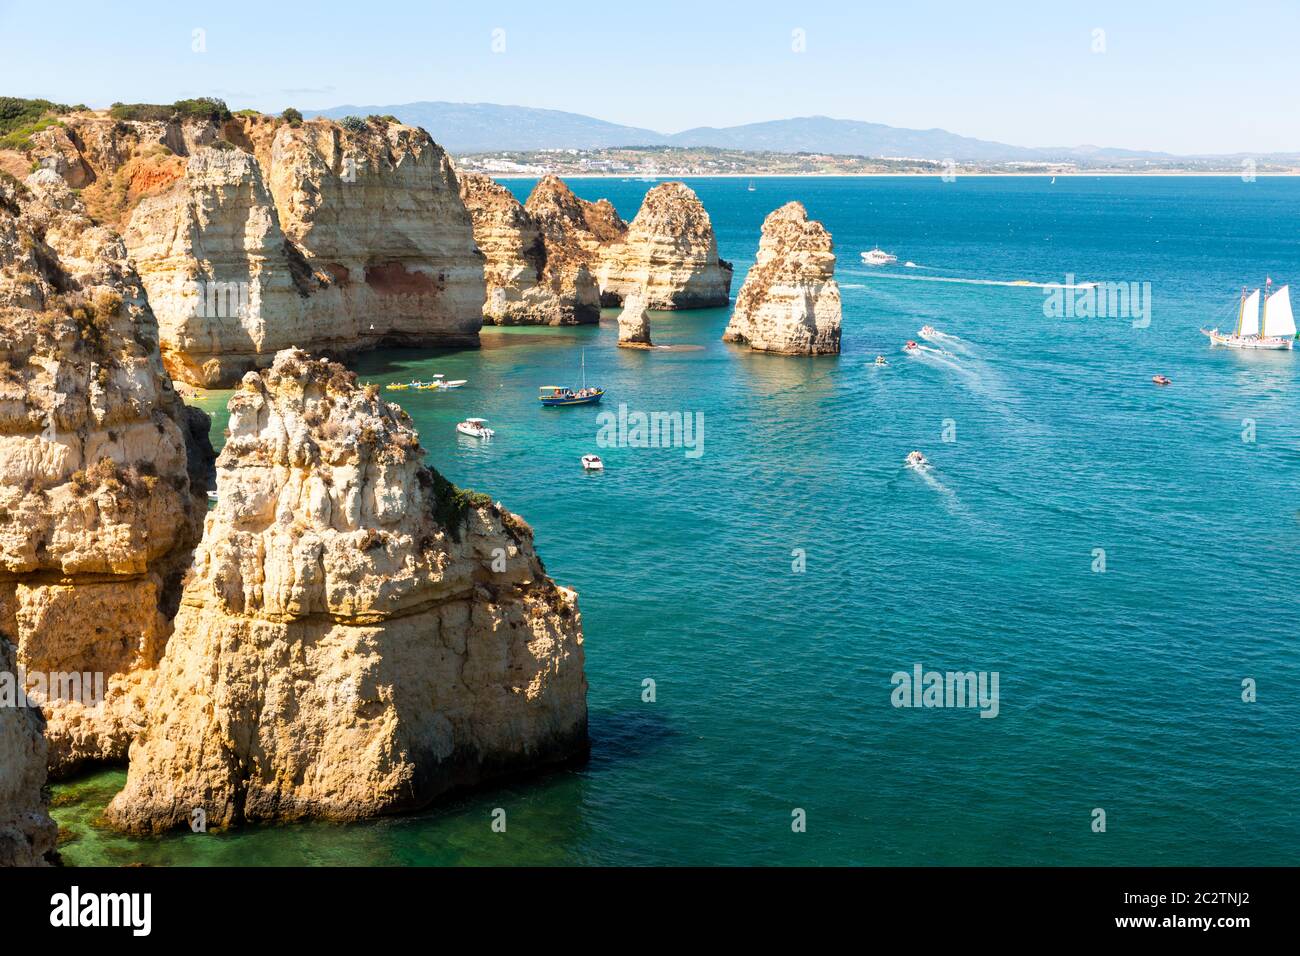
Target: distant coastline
{"points": [[1149, 174]]}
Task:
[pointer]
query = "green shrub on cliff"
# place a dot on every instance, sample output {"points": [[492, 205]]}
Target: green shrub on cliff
{"points": [[291, 116], [203, 108], [353, 124], [20, 118]]}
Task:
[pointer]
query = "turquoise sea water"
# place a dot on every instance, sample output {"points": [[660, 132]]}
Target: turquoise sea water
{"points": [[1118, 690]]}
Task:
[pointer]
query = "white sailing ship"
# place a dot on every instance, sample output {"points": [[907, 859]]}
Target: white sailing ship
{"points": [[1273, 329]]}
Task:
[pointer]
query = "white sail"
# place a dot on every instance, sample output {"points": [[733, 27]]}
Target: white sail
{"points": [[1249, 324], [1278, 319]]}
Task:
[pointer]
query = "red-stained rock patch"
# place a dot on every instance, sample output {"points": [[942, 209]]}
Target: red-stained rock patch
{"points": [[392, 278]]}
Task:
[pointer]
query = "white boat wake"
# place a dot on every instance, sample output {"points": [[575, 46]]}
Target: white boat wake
{"points": [[952, 504], [951, 343], [979, 377], [1017, 284]]}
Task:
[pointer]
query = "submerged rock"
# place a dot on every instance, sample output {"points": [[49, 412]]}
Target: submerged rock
{"points": [[101, 473], [634, 323], [669, 255], [789, 302], [27, 834], [356, 636]]}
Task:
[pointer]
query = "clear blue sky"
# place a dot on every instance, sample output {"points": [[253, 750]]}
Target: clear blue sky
{"points": [[1191, 76]]}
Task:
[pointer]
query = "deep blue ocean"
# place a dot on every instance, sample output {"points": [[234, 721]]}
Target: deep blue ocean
{"points": [[1120, 689]]}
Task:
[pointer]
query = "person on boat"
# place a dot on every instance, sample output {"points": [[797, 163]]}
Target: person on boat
{"points": [[910, 346], [880, 360]]}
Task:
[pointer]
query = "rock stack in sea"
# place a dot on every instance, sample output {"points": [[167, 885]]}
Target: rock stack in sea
{"points": [[789, 302], [356, 636], [634, 323], [668, 255], [518, 291], [254, 234], [102, 472], [27, 834], [575, 234]]}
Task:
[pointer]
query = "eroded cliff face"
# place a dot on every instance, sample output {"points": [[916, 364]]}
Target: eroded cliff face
{"points": [[790, 302], [254, 235], [220, 274], [518, 292], [356, 636], [378, 211], [575, 233], [669, 255], [27, 834], [101, 472]]}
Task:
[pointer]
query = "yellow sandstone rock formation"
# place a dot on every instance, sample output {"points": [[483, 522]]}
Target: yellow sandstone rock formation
{"points": [[789, 302], [575, 233], [634, 323], [669, 255], [102, 472], [253, 234], [27, 834], [517, 290], [357, 636]]}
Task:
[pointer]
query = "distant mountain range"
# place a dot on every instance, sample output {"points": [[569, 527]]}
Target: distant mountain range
{"points": [[465, 128]]}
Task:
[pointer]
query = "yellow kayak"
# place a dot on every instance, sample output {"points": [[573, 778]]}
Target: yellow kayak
{"points": [[396, 388]]}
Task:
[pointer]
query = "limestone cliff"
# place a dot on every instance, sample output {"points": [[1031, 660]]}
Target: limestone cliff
{"points": [[356, 636], [634, 323], [220, 275], [332, 238], [575, 233], [669, 255], [789, 302], [515, 266], [101, 495], [377, 210], [27, 834]]}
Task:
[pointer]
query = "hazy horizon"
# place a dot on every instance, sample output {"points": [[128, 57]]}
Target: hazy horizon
{"points": [[1188, 78]]}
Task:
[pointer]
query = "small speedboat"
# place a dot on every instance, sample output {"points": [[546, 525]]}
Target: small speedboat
{"points": [[927, 330], [212, 496], [878, 257], [475, 428], [454, 383], [880, 360], [1162, 379], [592, 463], [910, 346], [916, 460]]}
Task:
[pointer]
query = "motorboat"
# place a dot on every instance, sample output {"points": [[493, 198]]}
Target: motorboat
{"points": [[910, 346], [475, 428], [592, 463], [916, 460], [1162, 379], [927, 331], [880, 360], [878, 257]]}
